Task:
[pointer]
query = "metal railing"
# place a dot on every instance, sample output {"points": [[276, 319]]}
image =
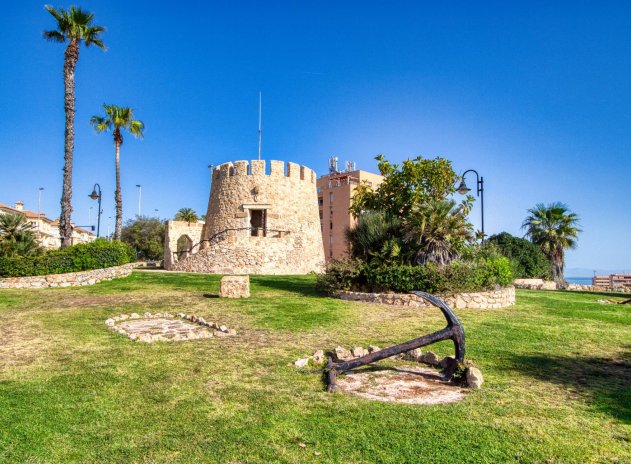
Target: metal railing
{"points": [[224, 234]]}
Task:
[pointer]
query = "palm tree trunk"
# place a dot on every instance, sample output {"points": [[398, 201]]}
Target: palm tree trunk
{"points": [[118, 196], [71, 57], [557, 268]]}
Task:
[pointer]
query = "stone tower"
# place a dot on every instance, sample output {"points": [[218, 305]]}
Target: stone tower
{"points": [[257, 222]]}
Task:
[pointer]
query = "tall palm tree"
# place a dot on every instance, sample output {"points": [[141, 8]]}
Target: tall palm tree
{"points": [[438, 230], [187, 214], [73, 26], [554, 228], [117, 119]]}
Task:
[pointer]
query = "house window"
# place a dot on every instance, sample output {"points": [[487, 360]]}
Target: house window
{"points": [[330, 197]]}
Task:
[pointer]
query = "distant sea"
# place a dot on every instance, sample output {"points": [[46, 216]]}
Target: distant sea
{"points": [[579, 280]]}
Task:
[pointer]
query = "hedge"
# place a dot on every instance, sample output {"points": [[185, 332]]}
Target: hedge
{"points": [[84, 257], [458, 277]]}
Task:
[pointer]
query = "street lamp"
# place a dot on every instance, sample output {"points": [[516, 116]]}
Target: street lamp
{"points": [[139, 197], [210, 167], [463, 190], [96, 195]]}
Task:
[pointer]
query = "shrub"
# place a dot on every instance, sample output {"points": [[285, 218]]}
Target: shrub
{"points": [[458, 277], [95, 255], [527, 259]]}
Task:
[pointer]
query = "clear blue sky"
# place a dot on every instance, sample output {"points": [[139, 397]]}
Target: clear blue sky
{"points": [[534, 95]]}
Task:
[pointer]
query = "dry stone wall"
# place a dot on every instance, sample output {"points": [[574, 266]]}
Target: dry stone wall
{"points": [[174, 231], [70, 279], [290, 241], [479, 300]]}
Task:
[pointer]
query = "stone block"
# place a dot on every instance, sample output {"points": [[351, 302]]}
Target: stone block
{"points": [[235, 286]]}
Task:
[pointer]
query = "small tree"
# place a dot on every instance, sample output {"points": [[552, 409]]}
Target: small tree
{"points": [[527, 259], [413, 183], [146, 236], [17, 237], [554, 228], [187, 214], [439, 231]]}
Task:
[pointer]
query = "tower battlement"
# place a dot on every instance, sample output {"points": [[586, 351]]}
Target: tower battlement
{"points": [[258, 168]]}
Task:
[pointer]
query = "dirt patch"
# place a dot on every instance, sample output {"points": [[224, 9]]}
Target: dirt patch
{"points": [[410, 385]]}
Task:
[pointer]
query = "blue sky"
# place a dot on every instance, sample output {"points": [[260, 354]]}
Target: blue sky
{"points": [[534, 95]]}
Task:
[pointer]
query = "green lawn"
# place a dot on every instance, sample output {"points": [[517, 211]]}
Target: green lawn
{"points": [[557, 370]]}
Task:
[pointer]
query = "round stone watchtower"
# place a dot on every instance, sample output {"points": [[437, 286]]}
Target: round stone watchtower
{"points": [[257, 222]]}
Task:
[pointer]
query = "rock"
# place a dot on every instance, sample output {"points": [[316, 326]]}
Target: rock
{"points": [[446, 361], [342, 354], [474, 377], [201, 321], [232, 332], [413, 355], [302, 362], [430, 358], [318, 357], [148, 315], [359, 351], [110, 322], [235, 287], [373, 348], [134, 316], [223, 328]]}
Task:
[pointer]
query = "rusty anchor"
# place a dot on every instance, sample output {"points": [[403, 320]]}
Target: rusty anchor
{"points": [[453, 331]]}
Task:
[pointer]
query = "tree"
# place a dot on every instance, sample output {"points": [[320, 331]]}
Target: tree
{"points": [[404, 187], [73, 26], [187, 214], [527, 259], [146, 236], [17, 237], [116, 119], [554, 228], [377, 239], [439, 230]]}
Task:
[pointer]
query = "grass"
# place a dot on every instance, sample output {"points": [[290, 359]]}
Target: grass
{"points": [[557, 386]]}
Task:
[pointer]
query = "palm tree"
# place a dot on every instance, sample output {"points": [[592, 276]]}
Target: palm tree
{"points": [[376, 239], [187, 214], [74, 26], [438, 230], [554, 228], [118, 118], [16, 236]]}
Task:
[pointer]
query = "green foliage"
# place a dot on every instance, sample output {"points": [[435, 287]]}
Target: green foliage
{"points": [[74, 24], [95, 255], [187, 214], [376, 239], [146, 236], [17, 237], [460, 276], [527, 259], [342, 275], [554, 228], [438, 230], [404, 187]]}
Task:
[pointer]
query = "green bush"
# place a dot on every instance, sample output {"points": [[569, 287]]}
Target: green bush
{"points": [[460, 276], [527, 259], [95, 255]]}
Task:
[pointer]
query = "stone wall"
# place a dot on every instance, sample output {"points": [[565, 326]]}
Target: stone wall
{"points": [[70, 279], [291, 241], [175, 230], [479, 300], [596, 288], [535, 284]]}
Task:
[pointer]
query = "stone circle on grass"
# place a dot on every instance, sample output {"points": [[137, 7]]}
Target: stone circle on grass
{"points": [[410, 385], [165, 327]]}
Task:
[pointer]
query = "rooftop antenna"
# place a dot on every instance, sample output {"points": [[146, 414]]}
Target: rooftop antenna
{"points": [[260, 131]]}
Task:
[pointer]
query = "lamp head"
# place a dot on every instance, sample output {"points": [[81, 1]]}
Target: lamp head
{"points": [[462, 188], [94, 195]]}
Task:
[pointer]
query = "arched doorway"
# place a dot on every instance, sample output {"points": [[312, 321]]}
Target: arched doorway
{"points": [[184, 245]]}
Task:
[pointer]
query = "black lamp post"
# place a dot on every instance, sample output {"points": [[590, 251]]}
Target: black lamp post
{"points": [[97, 196], [463, 190]]}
